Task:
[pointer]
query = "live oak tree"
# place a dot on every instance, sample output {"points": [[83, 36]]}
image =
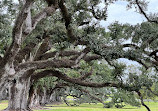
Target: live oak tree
{"points": [[44, 39]]}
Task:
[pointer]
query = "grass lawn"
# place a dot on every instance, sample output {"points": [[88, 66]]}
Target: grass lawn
{"points": [[93, 107]]}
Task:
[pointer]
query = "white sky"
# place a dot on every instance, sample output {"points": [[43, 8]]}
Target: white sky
{"points": [[119, 12]]}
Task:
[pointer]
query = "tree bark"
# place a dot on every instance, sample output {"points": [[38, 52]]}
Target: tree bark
{"points": [[18, 95], [4, 94]]}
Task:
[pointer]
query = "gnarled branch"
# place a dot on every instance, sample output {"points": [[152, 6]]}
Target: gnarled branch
{"points": [[17, 34], [144, 13], [64, 63], [79, 81]]}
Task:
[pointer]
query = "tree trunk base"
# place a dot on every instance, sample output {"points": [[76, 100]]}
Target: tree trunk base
{"points": [[39, 108], [8, 109]]}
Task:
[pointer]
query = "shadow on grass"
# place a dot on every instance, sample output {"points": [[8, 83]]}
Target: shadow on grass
{"points": [[128, 108], [88, 107]]}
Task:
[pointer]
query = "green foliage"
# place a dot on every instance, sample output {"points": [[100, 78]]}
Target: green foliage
{"points": [[47, 82], [5, 24], [5, 32], [125, 97], [155, 87], [119, 31], [118, 70]]}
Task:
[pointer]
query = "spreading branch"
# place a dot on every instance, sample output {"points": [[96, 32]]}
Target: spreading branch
{"points": [[152, 91], [144, 13], [81, 56], [44, 47], [64, 63], [131, 45], [67, 18], [78, 81], [43, 14], [85, 75], [61, 54], [24, 53]]}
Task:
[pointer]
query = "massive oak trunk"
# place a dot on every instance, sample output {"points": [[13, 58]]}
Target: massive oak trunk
{"points": [[18, 95]]}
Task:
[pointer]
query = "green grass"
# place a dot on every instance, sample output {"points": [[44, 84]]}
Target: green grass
{"points": [[3, 104], [93, 107]]}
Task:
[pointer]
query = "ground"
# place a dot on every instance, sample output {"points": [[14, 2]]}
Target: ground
{"points": [[92, 107]]}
